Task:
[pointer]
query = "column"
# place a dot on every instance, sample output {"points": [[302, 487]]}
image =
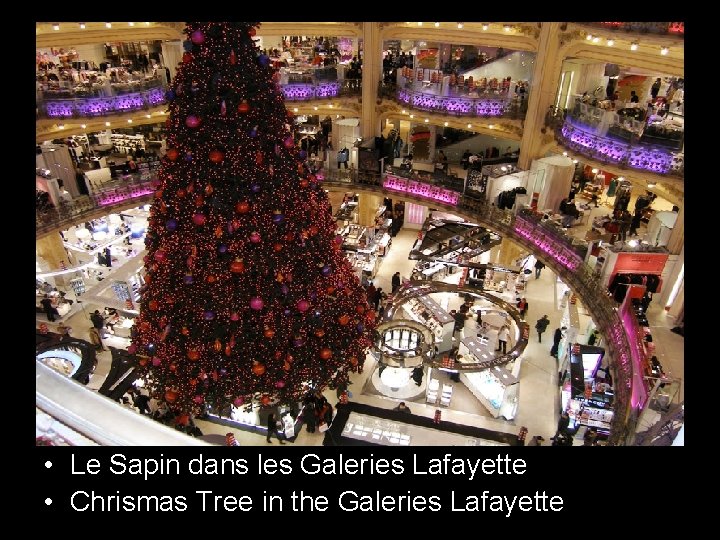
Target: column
{"points": [[508, 253], [51, 249], [367, 209], [677, 236], [172, 52], [371, 72], [542, 92]]}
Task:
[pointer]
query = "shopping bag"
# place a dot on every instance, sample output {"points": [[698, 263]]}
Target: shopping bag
{"points": [[323, 427]]}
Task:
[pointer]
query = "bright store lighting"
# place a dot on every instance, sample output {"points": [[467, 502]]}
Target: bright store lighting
{"points": [[412, 116], [295, 109], [56, 27], [664, 51], [595, 171], [596, 40], [633, 46], [485, 26], [427, 120], [147, 24], [82, 126], [446, 124], [491, 126], [588, 37], [82, 26], [575, 161], [469, 126], [131, 24], [129, 120], [61, 126], [610, 42], [148, 116], [437, 24], [419, 24], [620, 178], [460, 25], [107, 124], [404, 111], [565, 154], [651, 184], [507, 27], [108, 25], [633, 243]]}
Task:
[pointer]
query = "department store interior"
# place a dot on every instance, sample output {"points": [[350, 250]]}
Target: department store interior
{"points": [[516, 219]]}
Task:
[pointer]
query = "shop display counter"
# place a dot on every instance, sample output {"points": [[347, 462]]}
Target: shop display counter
{"points": [[496, 388], [428, 312]]}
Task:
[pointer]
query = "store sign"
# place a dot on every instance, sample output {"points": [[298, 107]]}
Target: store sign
{"points": [[641, 263], [121, 290]]}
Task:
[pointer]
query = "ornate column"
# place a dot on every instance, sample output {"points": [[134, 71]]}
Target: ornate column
{"points": [[367, 209], [543, 89], [51, 249], [371, 72], [509, 251], [677, 236]]}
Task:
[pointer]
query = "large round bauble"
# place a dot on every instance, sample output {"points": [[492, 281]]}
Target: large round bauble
{"points": [[325, 353], [187, 57], [238, 401], [344, 319], [217, 156], [277, 247], [303, 305], [193, 354], [237, 266], [353, 361], [198, 399], [197, 37], [320, 332], [209, 315], [278, 217], [193, 121], [256, 303], [280, 384], [360, 308], [234, 316], [199, 219], [172, 154], [313, 230], [222, 248], [171, 224], [258, 369], [160, 256], [171, 396], [360, 328], [153, 305], [156, 361], [326, 270], [269, 333], [304, 183], [255, 237], [181, 193], [211, 278], [243, 107]]}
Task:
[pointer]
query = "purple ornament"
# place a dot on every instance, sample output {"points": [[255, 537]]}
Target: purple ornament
{"points": [[303, 305], [188, 279], [326, 270], [313, 295], [256, 187], [256, 303], [156, 361], [192, 121], [209, 315], [255, 237], [264, 60], [286, 312], [338, 239], [197, 37], [170, 95], [253, 132], [278, 218], [360, 327], [284, 289], [280, 384], [188, 156], [298, 342], [238, 401], [222, 248], [223, 371], [303, 154], [171, 224], [289, 142]]}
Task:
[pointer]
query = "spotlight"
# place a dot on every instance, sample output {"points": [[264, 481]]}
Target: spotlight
{"points": [[469, 126], [419, 24], [633, 46], [507, 27], [610, 42], [61, 126], [589, 37], [295, 109], [565, 154], [147, 24], [596, 39], [107, 124], [131, 24], [82, 126], [664, 51], [437, 24], [427, 120], [82, 26], [148, 116], [595, 171], [129, 120], [412, 116], [575, 161], [633, 243], [651, 184], [446, 124], [108, 25], [485, 26], [56, 27], [460, 25], [491, 126]]}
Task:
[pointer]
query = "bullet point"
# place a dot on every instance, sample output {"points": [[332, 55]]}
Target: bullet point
{"points": [[48, 501], [48, 464]]}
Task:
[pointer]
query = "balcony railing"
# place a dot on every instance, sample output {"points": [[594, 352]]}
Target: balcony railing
{"points": [[91, 101], [319, 89], [666, 28], [560, 251], [486, 105]]}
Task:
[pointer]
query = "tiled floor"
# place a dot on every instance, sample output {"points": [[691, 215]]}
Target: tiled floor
{"points": [[538, 395]]}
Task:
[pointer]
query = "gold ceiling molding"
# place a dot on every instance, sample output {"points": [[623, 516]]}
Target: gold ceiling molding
{"points": [[73, 36], [296, 28], [470, 34]]}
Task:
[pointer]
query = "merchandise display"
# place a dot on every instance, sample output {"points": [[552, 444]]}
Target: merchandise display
{"points": [[427, 311]]}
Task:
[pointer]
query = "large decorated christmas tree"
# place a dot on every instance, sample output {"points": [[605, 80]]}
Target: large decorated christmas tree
{"points": [[248, 295]]}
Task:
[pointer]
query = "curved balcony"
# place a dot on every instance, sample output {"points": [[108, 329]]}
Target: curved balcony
{"points": [[92, 102], [306, 91], [661, 28], [483, 105]]}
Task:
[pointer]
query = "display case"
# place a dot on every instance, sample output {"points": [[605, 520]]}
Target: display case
{"points": [[429, 313], [431, 393], [446, 395], [496, 388]]}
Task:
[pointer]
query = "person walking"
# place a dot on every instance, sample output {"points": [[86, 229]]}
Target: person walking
{"points": [[98, 321], [503, 336], [538, 268], [655, 88], [272, 428], [378, 298], [402, 408], [95, 339], [48, 308], [523, 306], [395, 282], [556, 342], [537, 440], [541, 325]]}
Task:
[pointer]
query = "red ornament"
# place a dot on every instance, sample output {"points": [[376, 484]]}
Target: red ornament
{"points": [[228, 350], [199, 201], [193, 354], [269, 332], [171, 396], [173, 367], [277, 247], [325, 353], [193, 121], [252, 31], [344, 319], [172, 154], [199, 219], [184, 331], [313, 230], [218, 231], [233, 57], [216, 156], [143, 361], [265, 400], [217, 345], [211, 279], [181, 193], [243, 207], [320, 332], [153, 305], [330, 289], [353, 361], [304, 183], [360, 309], [244, 107], [259, 158], [286, 366], [258, 368], [237, 266], [187, 58]]}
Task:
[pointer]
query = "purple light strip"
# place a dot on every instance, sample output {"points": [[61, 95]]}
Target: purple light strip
{"points": [[460, 106], [420, 189], [304, 92], [112, 198], [632, 331], [104, 105], [557, 249]]}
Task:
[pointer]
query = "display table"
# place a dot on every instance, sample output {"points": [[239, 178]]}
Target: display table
{"points": [[429, 313], [492, 388]]}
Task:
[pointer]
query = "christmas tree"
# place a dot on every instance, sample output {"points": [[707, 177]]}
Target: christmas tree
{"points": [[247, 295]]}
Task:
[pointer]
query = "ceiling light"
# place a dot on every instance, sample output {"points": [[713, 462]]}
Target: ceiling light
{"points": [[610, 42], [507, 27], [575, 161], [147, 24], [412, 116], [565, 154], [437, 24], [588, 37], [404, 111], [82, 126], [331, 105], [469, 126], [295, 109], [651, 184], [633, 243], [485, 26], [314, 108], [446, 124], [491, 126], [107, 124], [129, 120], [108, 25], [131, 24], [633, 46], [419, 24], [61, 126], [664, 50], [427, 120], [596, 39], [148, 116], [620, 178], [460, 25], [56, 27], [595, 171], [82, 26]]}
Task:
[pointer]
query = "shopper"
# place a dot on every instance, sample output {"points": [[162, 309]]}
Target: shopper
{"points": [[634, 98], [625, 221], [272, 428], [523, 306], [538, 268], [503, 336], [635, 223], [95, 339], [556, 342], [378, 298], [371, 293], [98, 321], [563, 424], [537, 440], [402, 408], [395, 282], [655, 89], [49, 309], [541, 325], [465, 160]]}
